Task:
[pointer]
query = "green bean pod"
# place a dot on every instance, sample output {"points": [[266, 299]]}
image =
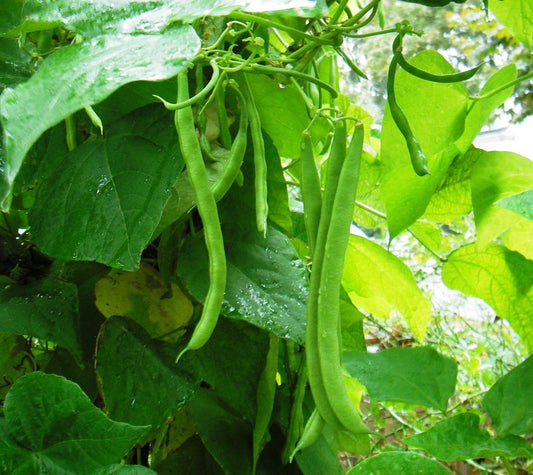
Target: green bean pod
{"points": [[418, 158], [192, 154], [266, 392], [316, 377], [426, 75], [311, 192], [238, 149], [181, 104], [260, 166], [328, 321], [312, 430]]}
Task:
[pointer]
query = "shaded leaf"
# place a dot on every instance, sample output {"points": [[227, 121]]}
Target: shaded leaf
{"points": [[283, 113], [231, 362], [509, 402], [395, 462], [81, 75], [503, 278], [368, 272], [16, 360], [15, 63], [226, 436], [50, 425], [266, 282], [124, 469], [192, 457], [45, 309], [139, 379], [460, 438], [410, 375], [145, 298], [521, 203], [109, 217]]}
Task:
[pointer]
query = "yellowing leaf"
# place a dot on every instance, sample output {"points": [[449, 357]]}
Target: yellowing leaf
{"points": [[141, 296], [378, 282]]}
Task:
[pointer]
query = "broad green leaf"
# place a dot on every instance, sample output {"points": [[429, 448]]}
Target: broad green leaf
{"points": [[460, 438], [59, 361], [521, 203], [518, 238], [503, 278], [10, 14], [15, 63], [266, 282], [266, 392], [480, 111], [498, 175], [509, 402], [453, 197], [395, 462], [516, 16], [122, 183], [51, 426], [139, 379], [379, 282], [436, 114], [192, 457], [81, 75], [133, 17], [353, 336], [15, 361], [231, 362], [283, 113], [124, 470], [46, 309], [410, 375], [226, 436], [145, 298]]}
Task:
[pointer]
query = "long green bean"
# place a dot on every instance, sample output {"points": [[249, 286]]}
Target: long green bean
{"points": [[192, 154]]}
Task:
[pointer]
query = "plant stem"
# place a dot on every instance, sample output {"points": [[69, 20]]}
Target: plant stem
{"points": [[518, 80]]}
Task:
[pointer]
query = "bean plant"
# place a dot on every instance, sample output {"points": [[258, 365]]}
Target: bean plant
{"points": [[187, 263]]}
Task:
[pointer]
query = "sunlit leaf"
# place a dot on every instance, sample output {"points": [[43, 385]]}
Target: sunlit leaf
{"points": [[436, 114], [503, 278], [133, 17], [369, 271], [496, 176], [517, 16]]}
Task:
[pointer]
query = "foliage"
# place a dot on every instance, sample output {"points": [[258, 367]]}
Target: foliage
{"points": [[180, 289]]}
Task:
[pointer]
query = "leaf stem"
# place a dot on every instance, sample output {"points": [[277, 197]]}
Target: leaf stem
{"points": [[518, 80]]}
